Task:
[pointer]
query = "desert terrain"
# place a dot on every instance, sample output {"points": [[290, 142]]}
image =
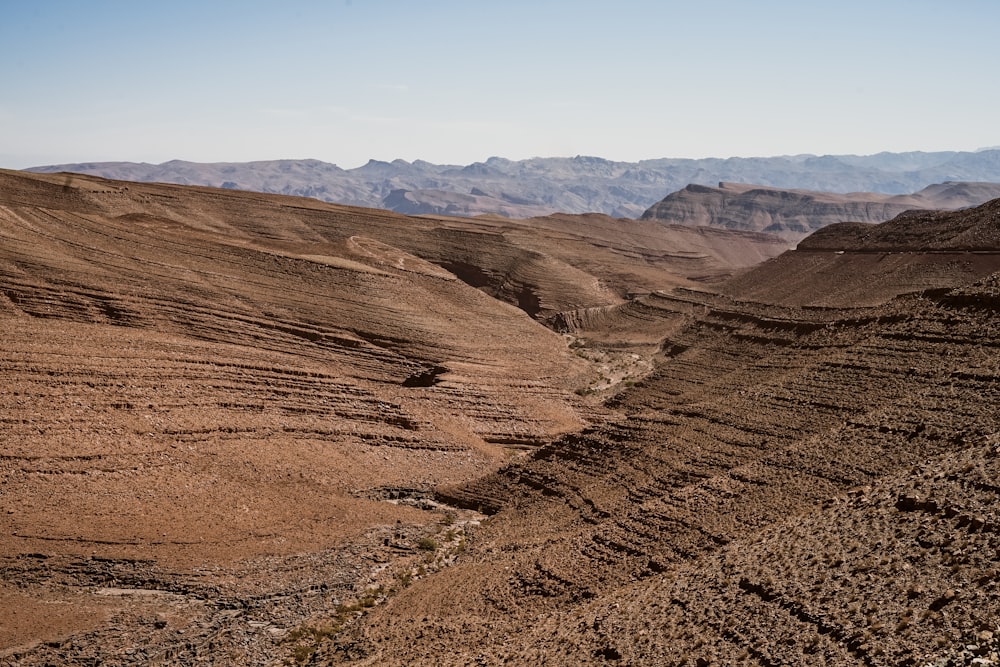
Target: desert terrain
{"points": [[805, 480], [252, 429], [226, 414]]}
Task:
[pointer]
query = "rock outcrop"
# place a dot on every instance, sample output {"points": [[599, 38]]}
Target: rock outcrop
{"points": [[793, 214]]}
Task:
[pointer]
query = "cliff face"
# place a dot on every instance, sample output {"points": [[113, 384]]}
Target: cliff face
{"points": [[793, 214]]}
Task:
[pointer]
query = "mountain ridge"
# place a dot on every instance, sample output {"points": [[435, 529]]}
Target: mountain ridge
{"points": [[795, 213], [580, 184]]}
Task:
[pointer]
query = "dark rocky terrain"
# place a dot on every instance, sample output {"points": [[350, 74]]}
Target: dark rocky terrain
{"points": [[525, 188], [248, 429], [793, 214]]}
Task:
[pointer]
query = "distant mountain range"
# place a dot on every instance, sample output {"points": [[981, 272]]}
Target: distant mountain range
{"points": [[793, 214], [539, 186]]}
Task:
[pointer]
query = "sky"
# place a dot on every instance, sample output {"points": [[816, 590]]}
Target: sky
{"points": [[458, 81]]}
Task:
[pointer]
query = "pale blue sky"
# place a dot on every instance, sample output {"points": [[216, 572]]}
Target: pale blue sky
{"points": [[453, 81]]}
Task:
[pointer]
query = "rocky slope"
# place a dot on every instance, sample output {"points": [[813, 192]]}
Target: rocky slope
{"points": [[792, 484], [204, 414], [793, 214], [247, 429], [224, 412], [581, 184], [856, 264]]}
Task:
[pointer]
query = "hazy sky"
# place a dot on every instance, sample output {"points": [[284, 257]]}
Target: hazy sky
{"points": [[457, 81]]}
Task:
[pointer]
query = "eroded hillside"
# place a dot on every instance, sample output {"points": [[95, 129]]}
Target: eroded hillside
{"points": [[245, 429], [181, 394], [793, 484], [224, 413]]}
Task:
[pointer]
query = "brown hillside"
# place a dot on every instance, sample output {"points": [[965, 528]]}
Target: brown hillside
{"points": [[181, 393], [855, 264], [250, 429], [223, 412], [789, 486]]}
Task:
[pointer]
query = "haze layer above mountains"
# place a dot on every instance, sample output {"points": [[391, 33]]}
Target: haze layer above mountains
{"points": [[538, 186]]}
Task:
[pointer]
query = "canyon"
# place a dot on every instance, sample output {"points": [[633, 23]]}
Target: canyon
{"points": [[249, 428]]}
